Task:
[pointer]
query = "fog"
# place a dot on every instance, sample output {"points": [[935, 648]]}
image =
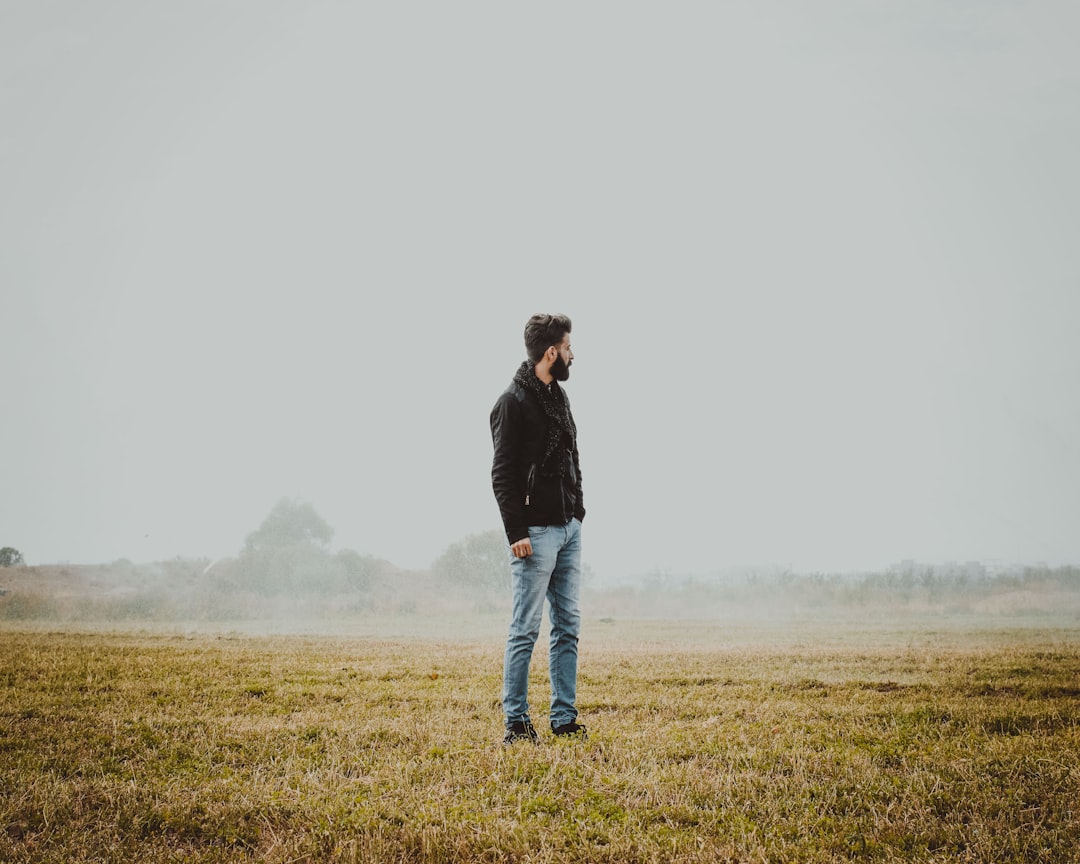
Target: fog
{"points": [[821, 261], [377, 600]]}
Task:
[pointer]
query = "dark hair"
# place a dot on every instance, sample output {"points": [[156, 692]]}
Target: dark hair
{"points": [[543, 331]]}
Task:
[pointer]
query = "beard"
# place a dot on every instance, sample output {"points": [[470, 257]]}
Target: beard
{"points": [[560, 369]]}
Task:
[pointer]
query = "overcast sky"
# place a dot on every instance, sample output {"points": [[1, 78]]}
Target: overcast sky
{"points": [[822, 260]]}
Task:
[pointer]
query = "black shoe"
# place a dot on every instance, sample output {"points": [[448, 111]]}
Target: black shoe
{"points": [[570, 730], [520, 730]]}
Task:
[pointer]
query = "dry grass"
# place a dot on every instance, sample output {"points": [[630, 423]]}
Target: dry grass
{"points": [[955, 746]]}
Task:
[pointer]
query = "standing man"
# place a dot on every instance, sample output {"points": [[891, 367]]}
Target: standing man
{"points": [[537, 482]]}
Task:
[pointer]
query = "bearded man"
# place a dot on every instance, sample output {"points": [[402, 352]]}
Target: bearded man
{"points": [[536, 476]]}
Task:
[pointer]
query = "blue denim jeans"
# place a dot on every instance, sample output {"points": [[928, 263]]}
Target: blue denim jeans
{"points": [[552, 571]]}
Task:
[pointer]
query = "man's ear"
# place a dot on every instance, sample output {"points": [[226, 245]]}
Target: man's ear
{"points": [[551, 353]]}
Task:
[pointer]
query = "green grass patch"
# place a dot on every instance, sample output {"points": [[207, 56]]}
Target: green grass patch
{"points": [[155, 748]]}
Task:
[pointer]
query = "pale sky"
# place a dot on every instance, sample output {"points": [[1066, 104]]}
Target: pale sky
{"points": [[822, 259]]}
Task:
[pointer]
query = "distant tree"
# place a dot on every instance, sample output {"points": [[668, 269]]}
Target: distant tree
{"points": [[10, 557], [290, 551], [480, 559], [353, 570], [291, 522]]}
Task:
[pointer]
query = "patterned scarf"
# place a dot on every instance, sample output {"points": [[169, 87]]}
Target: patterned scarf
{"points": [[560, 424]]}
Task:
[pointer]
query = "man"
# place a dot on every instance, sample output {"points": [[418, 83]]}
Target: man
{"points": [[537, 481]]}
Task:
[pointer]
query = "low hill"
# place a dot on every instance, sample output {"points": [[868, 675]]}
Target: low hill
{"points": [[225, 595]]}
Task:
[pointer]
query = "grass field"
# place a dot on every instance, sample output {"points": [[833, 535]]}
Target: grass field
{"points": [[706, 744]]}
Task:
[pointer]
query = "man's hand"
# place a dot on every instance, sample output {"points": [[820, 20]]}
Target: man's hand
{"points": [[522, 548]]}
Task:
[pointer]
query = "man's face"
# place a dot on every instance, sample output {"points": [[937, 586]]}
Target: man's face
{"points": [[560, 369]]}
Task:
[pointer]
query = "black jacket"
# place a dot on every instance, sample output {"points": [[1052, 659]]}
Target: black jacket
{"points": [[526, 496]]}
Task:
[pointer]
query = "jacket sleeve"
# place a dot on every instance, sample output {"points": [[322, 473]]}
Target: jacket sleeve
{"points": [[506, 473], [579, 502]]}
